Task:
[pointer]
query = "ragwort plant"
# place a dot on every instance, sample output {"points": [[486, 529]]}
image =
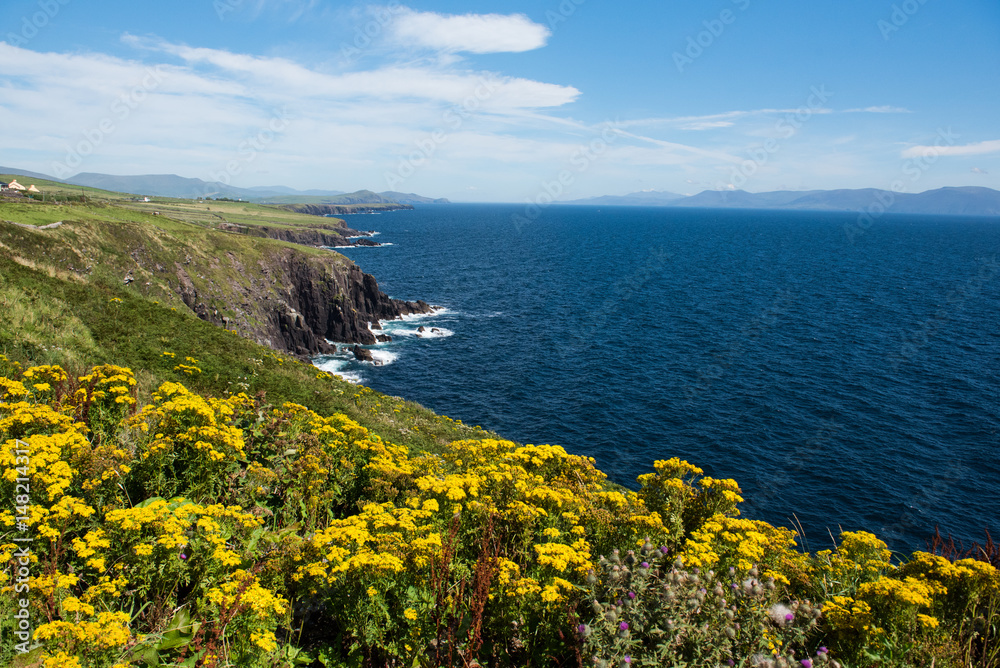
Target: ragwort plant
{"points": [[229, 532]]}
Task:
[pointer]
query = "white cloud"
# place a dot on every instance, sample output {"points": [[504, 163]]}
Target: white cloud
{"points": [[345, 129], [977, 170], [449, 85], [706, 125], [980, 148], [884, 109], [470, 33], [724, 119]]}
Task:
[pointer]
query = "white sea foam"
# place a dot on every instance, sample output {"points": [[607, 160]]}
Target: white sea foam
{"points": [[435, 312], [428, 333], [336, 366], [383, 357]]}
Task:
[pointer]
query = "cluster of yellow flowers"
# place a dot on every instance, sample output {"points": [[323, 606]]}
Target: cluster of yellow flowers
{"points": [[248, 508], [730, 541], [885, 598]]}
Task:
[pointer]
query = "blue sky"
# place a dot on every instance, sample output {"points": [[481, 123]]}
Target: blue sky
{"points": [[506, 101]]}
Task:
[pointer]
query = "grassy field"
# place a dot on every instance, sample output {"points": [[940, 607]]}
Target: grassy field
{"points": [[206, 213]]}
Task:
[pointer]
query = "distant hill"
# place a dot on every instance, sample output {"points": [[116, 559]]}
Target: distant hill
{"points": [[24, 172], [359, 197], [411, 198], [968, 200], [171, 185], [641, 198]]}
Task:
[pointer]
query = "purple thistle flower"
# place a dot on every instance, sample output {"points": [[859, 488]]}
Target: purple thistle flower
{"points": [[789, 617], [730, 662], [631, 595], [664, 549], [806, 663], [623, 626], [821, 650], [183, 556], [628, 659], [644, 564], [581, 628]]}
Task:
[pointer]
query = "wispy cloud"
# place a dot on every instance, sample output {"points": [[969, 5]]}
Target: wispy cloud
{"points": [[706, 125], [728, 119], [884, 109], [977, 170], [980, 148], [723, 119], [428, 82], [468, 33]]}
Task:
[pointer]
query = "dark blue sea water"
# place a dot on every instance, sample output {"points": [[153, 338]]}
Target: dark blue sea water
{"points": [[852, 385]]}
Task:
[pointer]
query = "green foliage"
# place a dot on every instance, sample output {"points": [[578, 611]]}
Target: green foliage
{"points": [[648, 610]]}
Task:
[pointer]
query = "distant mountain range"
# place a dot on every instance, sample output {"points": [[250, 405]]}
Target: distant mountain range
{"points": [[968, 200], [171, 185], [641, 198]]}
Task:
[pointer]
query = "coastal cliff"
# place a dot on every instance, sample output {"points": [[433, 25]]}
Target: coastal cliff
{"points": [[344, 209], [296, 302], [329, 238], [267, 283]]}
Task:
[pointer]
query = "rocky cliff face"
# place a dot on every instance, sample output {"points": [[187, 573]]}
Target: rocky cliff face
{"points": [[343, 209], [304, 236], [322, 304], [295, 302]]}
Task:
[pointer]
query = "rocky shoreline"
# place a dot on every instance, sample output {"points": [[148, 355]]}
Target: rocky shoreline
{"points": [[321, 238]]}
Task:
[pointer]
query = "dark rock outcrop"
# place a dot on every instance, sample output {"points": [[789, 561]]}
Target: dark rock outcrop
{"points": [[362, 354], [333, 302], [294, 301], [343, 209], [327, 238], [299, 235]]}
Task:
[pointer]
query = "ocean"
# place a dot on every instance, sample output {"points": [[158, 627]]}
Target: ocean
{"points": [[848, 377]]}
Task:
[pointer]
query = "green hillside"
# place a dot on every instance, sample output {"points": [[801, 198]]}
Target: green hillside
{"points": [[61, 190]]}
